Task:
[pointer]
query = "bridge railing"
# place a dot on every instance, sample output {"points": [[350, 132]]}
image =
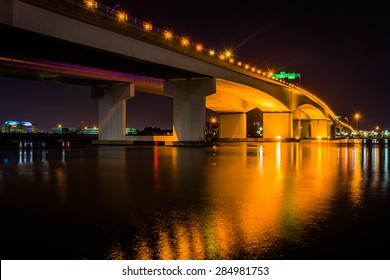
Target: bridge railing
{"points": [[223, 58], [183, 44]]}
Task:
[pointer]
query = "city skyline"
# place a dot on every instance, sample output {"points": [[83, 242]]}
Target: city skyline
{"points": [[339, 52]]}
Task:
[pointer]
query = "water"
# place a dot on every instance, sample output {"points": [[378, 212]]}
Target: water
{"points": [[271, 200]]}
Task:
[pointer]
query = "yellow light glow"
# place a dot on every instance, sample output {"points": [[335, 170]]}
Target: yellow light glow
{"points": [[91, 4], [222, 56], [147, 26], [231, 60], [59, 125], [247, 66], [228, 53], [122, 17], [199, 47], [278, 137], [185, 42], [253, 69], [239, 63], [211, 52], [168, 35]]}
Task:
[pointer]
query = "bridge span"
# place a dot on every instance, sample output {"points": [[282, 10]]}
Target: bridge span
{"points": [[75, 41]]}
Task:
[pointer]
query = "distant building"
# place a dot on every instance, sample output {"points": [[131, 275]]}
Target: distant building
{"points": [[211, 130], [17, 127], [64, 130], [89, 130], [131, 131]]}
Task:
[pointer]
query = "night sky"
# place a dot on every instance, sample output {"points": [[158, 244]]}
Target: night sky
{"points": [[341, 51]]}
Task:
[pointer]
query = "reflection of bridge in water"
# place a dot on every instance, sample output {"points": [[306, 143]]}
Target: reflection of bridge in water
{"points": [[118, 55]]}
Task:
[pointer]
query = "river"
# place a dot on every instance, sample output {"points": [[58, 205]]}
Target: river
{"points": [[238, 201]]}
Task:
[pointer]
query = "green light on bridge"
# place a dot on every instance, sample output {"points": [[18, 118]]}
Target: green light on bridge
{"points": [[284, 75]]}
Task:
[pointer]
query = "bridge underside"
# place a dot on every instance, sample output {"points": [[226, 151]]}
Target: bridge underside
{"points": [[233, 102], [191, 97]]}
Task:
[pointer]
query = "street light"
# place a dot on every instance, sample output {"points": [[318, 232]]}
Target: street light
{"points": [[357, 116], [377, 130]]}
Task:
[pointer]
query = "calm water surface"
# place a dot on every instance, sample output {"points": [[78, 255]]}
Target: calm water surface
{"points": [[305, 200]]}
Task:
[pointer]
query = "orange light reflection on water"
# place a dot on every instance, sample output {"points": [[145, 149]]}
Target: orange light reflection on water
{"points": [[255, 197]]}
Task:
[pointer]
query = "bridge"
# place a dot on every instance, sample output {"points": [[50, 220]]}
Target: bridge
{"points": [[85, 42]]}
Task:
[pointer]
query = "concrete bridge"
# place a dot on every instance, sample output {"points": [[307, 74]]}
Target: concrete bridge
{"points": [[84, 42]]}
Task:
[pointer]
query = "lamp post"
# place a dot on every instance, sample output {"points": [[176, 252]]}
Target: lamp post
{"points": [[357, 116]]}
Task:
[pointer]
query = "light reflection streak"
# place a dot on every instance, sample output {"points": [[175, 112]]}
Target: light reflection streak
{"points": [[182, 244], [144, 252], [375, 171], [164, 248], [261, 154], [116, 253], [62, 190], [385, 168], [278, 155], [220, 236], [155, 165], [353, 173]]}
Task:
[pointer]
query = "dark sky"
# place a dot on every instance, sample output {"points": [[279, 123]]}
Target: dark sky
{"points": [[341, 51]]}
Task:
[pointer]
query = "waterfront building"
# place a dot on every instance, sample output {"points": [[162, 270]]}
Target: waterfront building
{"points": [[89, 130], [63, 130], [17, 127]]}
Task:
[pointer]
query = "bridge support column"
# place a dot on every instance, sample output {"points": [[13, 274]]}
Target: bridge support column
{"points": [[277, 125], [319, 129], [112, 110], [189, 108], [297, 128], [232, 126]]}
